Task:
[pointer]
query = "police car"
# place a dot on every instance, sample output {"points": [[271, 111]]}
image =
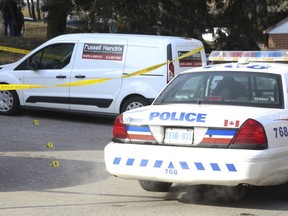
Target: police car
{"points": [[222, 124]]}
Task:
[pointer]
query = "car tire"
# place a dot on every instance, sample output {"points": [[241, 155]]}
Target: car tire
{"points": [[133, 103], [9, 103], [155, 186], [281, 191]]}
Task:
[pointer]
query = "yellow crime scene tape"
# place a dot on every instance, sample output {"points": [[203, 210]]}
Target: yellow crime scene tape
{"points": [[84, 82], [14, 50], [7, 87], [154, 67]]}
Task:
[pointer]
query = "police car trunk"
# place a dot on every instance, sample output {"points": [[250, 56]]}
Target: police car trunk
{"points": [[196, 135]]}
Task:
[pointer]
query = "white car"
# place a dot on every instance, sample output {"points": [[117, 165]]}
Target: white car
{"points": [[222, 124]]}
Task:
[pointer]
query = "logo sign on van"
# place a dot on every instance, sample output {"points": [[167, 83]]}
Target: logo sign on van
{"points": [[103, 51], [190, 61]]}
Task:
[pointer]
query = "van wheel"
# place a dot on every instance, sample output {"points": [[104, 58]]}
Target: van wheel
{"points": [[155, 186], [133, 102], [9, 103]]}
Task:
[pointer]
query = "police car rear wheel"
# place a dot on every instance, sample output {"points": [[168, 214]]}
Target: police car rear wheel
{"points": [[133, 103], [281, 191], [9, 103], [155, 186]]}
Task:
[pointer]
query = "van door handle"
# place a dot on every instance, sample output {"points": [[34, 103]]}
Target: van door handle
{"points": [[61, 76], [80, 76]]}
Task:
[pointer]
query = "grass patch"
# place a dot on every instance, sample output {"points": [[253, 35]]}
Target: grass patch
{"points": [[34, 34], [28, 43]]}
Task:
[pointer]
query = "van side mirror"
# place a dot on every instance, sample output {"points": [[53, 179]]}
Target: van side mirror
{"points": [[34, 65]]}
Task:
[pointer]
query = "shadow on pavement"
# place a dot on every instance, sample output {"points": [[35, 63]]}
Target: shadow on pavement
{"points": [[37, 174], [264, 198]]}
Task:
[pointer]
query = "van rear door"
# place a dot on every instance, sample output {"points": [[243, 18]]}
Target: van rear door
{"points": [[183, 46]]}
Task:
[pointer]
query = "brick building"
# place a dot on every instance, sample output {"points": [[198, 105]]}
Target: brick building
{"points": [[278, 35]]}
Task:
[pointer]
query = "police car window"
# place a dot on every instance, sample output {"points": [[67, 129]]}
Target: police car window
{"points": [[265, 90], [241, 88], [55, 56], [186, 88], [189, 89]]}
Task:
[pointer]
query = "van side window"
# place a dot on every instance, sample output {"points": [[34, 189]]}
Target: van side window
{"points": [[55, 56]]}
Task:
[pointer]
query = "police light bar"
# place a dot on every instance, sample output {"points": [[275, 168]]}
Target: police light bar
{"points": [[251, 56]]}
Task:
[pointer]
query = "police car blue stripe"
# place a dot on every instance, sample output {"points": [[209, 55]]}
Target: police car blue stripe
{"points": [[199, 166], [231, 167], [117, 160], [130, 161], [221, 132], [215, 167], [138, 128], [144, 163], [183, 164], [158, 164], [171, 166]]}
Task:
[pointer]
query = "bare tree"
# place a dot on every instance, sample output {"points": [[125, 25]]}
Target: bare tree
{"points": [[33, 10], [38, 10], [29, 8], [57, 14]]}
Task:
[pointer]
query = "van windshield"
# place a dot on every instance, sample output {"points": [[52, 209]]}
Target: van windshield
{"points": [[230, 88]]}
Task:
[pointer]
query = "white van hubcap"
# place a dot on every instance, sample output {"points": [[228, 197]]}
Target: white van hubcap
{"points": [[6, 101], [134, 105]]}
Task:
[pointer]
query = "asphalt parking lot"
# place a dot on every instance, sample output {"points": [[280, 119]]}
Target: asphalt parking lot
{"points": [[52, 164]]}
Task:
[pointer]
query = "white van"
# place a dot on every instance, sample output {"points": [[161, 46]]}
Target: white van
{"points": [[90, 72]]}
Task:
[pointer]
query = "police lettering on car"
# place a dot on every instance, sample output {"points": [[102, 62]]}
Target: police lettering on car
{"points": [[174, 116]]}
